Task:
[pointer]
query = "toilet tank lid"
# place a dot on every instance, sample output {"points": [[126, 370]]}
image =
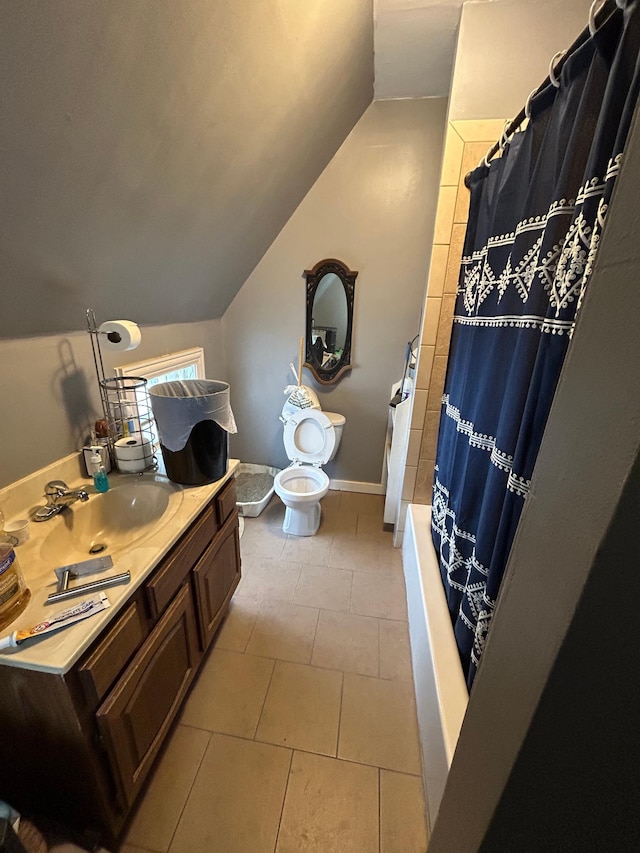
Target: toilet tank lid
{"points": [[335, 418]]}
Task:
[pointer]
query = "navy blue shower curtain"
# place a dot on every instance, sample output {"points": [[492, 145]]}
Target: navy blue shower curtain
{"points": [[535, 220]]}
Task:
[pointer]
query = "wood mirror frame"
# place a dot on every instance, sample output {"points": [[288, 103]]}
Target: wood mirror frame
{"points": [[327, 375]]}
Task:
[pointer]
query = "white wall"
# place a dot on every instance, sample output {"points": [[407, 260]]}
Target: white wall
{"points": [[504, 49], [50, 394], [373, 208]]}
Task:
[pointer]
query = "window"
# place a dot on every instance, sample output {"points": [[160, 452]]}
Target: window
{"points": [[186, 364]]}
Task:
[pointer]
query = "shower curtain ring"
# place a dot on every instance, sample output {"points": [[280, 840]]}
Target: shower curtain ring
{"points": [[592, 17], [504, 138], [556, 56], [485, 159], [527, 106]]}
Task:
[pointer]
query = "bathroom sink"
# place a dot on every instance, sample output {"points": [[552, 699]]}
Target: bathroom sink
{"points": [[109, 522]]}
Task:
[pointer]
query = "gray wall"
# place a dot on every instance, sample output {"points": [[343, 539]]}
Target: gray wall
{"points": [[372, 208], [504, 49], [152, 151], [50, 392]]}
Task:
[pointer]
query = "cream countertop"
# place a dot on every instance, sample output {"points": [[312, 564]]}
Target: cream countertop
{"points": [[58, 651]]}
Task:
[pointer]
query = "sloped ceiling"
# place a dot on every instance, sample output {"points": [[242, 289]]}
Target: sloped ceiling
{"points": [[150, 152], [415, 42]]}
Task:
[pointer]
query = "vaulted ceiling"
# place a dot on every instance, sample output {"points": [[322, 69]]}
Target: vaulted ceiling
{"points": [[152, 151]]}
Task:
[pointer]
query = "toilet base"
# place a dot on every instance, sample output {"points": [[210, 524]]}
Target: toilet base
{"points": [[302, 522]]}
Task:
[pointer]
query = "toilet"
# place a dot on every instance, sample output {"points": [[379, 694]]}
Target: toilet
{"points": [[311, 438]]}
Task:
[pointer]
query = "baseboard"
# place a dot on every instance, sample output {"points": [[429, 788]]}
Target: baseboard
{"points": [[355, 486]]}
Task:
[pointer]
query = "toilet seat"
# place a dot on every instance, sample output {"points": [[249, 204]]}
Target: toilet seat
{"points": [[309, 437], [302, 483]]}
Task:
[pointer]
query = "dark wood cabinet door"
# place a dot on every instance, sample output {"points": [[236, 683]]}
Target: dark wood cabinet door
{"points": [[136, 715], [217, 574]]}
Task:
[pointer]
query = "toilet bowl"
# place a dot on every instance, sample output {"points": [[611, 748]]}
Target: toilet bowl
{"points": [[310, 440]]}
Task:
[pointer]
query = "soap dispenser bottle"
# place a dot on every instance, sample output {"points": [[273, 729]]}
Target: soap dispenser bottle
{"points": [[100, 479]]}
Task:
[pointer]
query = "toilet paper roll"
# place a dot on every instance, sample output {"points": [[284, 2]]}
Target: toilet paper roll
{"points": [[119, 335], [133, 454]]}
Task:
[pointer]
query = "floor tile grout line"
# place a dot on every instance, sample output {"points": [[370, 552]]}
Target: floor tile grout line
{"points": [[284, 800], [379, 811], [193, 782], [340, 716], [264, 700]]}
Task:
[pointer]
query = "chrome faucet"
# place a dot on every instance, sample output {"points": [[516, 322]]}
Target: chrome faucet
{"points": [[58, 496]]}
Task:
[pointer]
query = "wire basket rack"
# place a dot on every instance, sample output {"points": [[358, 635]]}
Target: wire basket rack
{"points": [[127, 410]]}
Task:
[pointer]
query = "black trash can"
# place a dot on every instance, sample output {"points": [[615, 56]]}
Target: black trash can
{"points": [[194, 419]]}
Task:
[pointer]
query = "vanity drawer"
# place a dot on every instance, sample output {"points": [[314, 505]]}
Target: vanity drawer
{"points": [[176, 566], [226, 501], [105, 663]]}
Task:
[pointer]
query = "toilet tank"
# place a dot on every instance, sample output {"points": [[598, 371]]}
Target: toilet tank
{"points": [[338, 422]]}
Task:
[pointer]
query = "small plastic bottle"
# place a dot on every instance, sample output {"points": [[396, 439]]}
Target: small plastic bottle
{"points": [[14, 593], [100, 479]]}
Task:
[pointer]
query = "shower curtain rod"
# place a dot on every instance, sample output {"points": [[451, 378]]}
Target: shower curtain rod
{"points": [[603, 13]]}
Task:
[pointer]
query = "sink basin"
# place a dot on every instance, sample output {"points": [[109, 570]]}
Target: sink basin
{"points": [[109, 522]]}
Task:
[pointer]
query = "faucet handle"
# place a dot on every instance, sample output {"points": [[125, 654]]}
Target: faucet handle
{"points": [[55, 488]]}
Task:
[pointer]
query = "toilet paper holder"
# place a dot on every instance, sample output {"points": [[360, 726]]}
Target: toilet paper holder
{"points": [[125, 401]]}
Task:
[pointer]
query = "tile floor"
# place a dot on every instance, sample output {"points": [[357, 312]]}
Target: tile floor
{"points": [[300, 733]]}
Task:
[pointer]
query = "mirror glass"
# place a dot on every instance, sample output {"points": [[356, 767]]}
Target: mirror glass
{"points": [[330, 292]]}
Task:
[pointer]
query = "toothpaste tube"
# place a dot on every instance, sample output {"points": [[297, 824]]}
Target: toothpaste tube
{"points": [[86, 608]]}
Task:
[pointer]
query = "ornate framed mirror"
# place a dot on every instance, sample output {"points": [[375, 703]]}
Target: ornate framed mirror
{"points": [[330, 292]]}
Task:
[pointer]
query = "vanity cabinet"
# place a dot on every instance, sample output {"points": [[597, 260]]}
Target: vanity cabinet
{"points": [[91, 736]]}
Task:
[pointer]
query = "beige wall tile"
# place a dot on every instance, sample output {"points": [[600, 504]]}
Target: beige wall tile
{"points": [[458, 233], [477, 130], [424, 482], [437, 269], [430, 322], [473, 154], [302, 708], [159, 810], [413, 449], [346, 642], [437, 377], [229, 693], [331, 806], [409, 482], [444, 214], [434, 401], [419, 409], [444, 326], [403, 827], [425, 364], [461, 210], [378, 724], [452, 157], [430, 435], [235, 810]]}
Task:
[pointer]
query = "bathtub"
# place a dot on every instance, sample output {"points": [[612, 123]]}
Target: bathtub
{"points": [[441, 690]]}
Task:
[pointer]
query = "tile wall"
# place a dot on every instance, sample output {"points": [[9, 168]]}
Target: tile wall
{"points": [[467, 141]]}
